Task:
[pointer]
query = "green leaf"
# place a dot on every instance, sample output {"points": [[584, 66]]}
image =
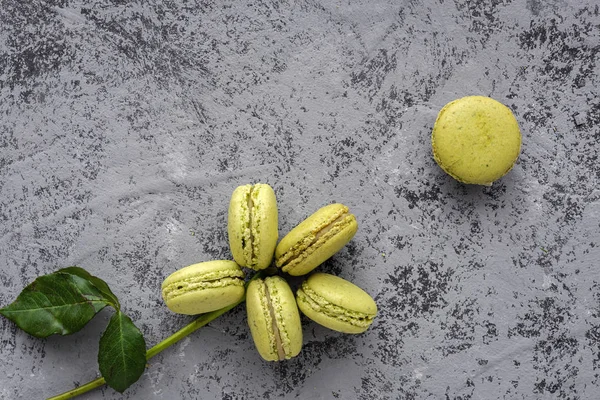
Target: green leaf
{"points": [[122, 353], [57, 303], [100, 285]]}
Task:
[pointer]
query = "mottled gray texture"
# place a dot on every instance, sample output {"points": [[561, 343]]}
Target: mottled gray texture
{"points": [[124, 128]]}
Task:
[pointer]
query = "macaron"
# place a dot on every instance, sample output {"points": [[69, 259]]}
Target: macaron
{"points": [[273, 318], [476, 140], [315, 239], [204, 287], [336, 303], [252, 225]]}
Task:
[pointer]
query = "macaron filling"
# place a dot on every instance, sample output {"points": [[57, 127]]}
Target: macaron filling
{"points": [[251, 233], [250, 242], [276, 331], [211, 280], [315, 239], [321, 305], [247, 235], [280, 341]]}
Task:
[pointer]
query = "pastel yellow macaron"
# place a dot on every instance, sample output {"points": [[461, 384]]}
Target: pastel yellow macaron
{"points": [[476, 140], [273, 318], [336, 303], [252, 225], [315, 239], [204, 287]]}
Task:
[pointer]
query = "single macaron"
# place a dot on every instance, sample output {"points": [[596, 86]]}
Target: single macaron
{"points": [[204, 287], [476, 140], [252, 225], [336, 303], [273, 318], [315, 239]]}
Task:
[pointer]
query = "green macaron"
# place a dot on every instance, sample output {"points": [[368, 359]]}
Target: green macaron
{"points": [[273, 318], [252, 225], [315, 239], [336, 303], [204, 287], [476, 140]]}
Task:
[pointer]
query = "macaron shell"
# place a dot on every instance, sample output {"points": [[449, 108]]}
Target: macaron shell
{"points": [[206, 269], [260, 321], [288, 316], [237, 223], [260, 318], [206, 300], [319, 219], [265, 224], [301, 250], [204, 287], [327, 321], [476, 139], [253, 231], [336, 303], [316, 255], [342, 293]]}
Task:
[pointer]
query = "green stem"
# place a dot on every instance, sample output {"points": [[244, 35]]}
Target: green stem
{"points": [[198, 323]]}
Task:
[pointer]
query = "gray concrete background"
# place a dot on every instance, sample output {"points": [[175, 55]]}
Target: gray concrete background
{"points": [[125, 126]]}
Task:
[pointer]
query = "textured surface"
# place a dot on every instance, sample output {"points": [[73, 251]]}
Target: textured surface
{"points": [[125, 126]]}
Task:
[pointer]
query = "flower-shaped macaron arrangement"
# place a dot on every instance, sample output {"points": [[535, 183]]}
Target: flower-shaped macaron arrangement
{"points": [[272, 308]]}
